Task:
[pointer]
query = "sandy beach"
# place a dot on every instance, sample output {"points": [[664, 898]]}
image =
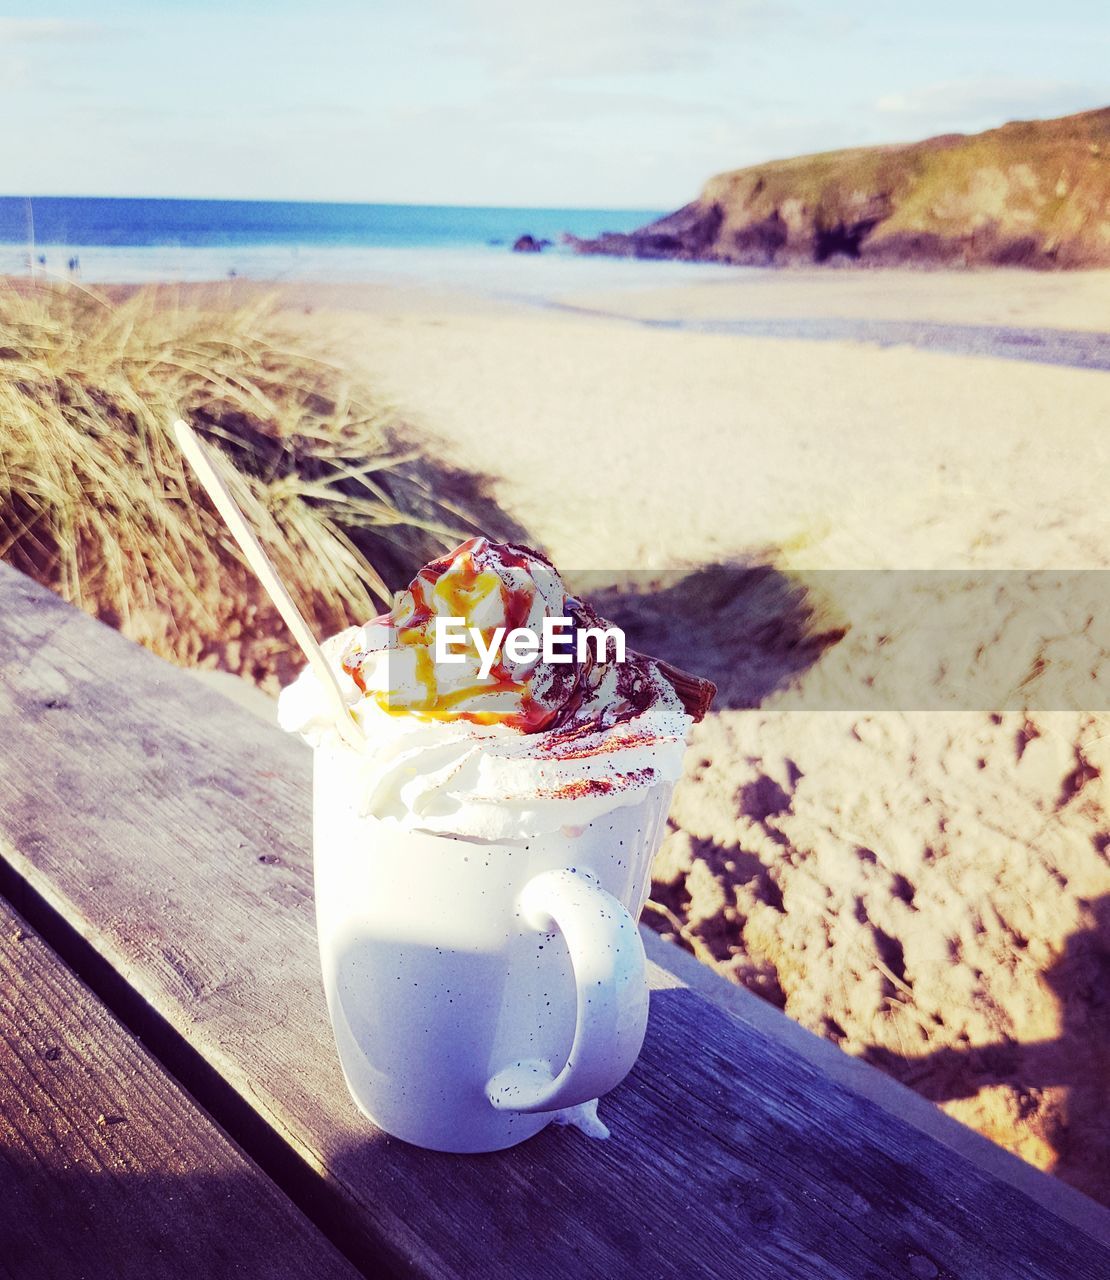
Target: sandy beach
{"points": [[622, 446], [1049, 300], [928, 888]]}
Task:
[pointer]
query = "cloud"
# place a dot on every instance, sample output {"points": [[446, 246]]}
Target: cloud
{"points": [[973, 101], [582, 38], [43, 30]]}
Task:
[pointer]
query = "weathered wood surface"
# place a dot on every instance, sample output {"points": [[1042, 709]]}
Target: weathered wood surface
{"points": [[172, 829], [107, 1169]]}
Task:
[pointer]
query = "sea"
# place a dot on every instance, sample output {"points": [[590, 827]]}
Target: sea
{"points": [[131, 241]]}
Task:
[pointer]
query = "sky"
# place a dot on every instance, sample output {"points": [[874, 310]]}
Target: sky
{"points": [[583, 103]]}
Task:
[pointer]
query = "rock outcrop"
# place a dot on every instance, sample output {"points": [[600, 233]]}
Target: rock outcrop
{"points": [[1029, 194]]}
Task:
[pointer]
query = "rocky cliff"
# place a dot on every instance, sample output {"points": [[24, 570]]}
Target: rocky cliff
{"points": [[1031, 194]]}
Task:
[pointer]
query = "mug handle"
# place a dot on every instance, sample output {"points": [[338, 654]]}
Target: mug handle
{"points": [[610, 976]]}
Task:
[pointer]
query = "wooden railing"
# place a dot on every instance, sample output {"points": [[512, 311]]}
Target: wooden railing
{"points": [[171, 1104]]}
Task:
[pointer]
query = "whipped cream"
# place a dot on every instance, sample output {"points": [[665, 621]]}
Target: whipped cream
{"points": [[488, 587], [531, 748]]}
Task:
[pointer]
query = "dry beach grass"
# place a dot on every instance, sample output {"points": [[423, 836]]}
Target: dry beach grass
{"points": [[96, 502]]}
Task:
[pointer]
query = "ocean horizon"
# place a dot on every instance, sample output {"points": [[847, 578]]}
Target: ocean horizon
{"points": [[136, 240], [139, 220]]}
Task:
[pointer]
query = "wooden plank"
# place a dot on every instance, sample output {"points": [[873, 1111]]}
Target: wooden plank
{"points": [[106, 1167], [678, 968], [171, 830]]}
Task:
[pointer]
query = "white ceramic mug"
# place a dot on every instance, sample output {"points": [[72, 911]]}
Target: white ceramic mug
{"points": [[476, 988]]}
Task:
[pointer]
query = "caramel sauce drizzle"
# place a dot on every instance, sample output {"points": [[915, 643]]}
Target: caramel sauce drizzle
{"points": [[459, 584]]}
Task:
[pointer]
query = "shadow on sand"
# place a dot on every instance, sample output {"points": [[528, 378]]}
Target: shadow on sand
{"points": [[1077, 1062], [750, 629]]}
